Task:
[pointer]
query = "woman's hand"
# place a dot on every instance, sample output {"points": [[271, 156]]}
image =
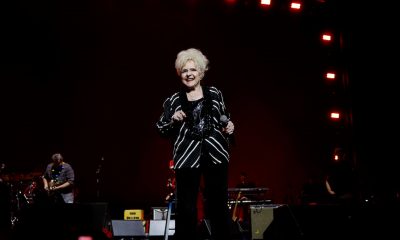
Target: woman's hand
{"points": [[230, 127], [178, 116]]}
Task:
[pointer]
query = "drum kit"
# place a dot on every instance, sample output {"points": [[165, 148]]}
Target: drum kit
{"points": [[22, 191]]}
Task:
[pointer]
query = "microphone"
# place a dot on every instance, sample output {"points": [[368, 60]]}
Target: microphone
{"points": [[224, 120]]}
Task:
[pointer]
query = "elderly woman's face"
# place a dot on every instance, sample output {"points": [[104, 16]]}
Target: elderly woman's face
{"points": [[190, 75]]}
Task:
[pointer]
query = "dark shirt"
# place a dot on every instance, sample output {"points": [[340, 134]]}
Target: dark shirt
{"points": [[60, 174]]}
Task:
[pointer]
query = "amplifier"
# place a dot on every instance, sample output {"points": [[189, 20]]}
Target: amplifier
{"points": [[274, 221], [134, 214], [160, 213], [261, 217]]}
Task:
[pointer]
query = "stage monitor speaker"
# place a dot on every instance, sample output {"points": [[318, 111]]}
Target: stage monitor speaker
{"points": [[157, 227], [128, 228], [273, 221], [261, 217]]}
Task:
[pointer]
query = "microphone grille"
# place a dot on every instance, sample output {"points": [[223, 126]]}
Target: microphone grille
{"points": [[224, 119]]}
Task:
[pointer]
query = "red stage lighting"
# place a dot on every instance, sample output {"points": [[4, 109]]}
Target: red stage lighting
{"points": [[326, 37], [336, 157], [295, 5], [265, 2], [338, 154], [335, 115], [231, 2], [330, 76]]}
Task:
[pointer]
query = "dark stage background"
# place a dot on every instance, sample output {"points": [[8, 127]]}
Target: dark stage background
{"points": [[88, 79]]}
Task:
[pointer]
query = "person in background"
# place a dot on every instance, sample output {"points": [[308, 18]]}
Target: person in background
{"points": [[244, 181], [340, 180], [58, 180], [197, 122], [171, 182]]}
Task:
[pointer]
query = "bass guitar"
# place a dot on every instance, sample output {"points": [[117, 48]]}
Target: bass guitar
{"points": [[53, 194]]}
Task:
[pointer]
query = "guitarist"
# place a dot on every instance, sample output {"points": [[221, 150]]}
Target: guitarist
{"points": [[58, 180]]}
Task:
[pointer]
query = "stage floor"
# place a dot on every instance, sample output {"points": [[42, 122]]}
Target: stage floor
{"points": [[282, 221]]}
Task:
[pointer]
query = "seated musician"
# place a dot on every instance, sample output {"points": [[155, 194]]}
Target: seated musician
{"points": [[244, 181]]}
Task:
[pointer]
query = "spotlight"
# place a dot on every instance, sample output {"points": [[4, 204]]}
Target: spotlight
{"points": [[295, 5], [335, 115], [330, 76], [326, 37], [265, 2]]}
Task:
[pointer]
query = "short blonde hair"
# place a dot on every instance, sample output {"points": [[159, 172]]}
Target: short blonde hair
{"points": [[199, 59]]}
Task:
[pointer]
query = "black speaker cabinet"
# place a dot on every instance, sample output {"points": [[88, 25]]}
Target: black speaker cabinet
{"points": [[128, 228], [94, 214], [60, 220]]}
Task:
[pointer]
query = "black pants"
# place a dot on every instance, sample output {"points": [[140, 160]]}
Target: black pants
{"points": [[216, 196]]}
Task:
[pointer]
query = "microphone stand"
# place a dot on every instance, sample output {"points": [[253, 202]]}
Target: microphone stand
{"points": [[171, 201], [98, 171]]}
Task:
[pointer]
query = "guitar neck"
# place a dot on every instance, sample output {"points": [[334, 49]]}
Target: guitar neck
{"points": [[234, 218]]}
